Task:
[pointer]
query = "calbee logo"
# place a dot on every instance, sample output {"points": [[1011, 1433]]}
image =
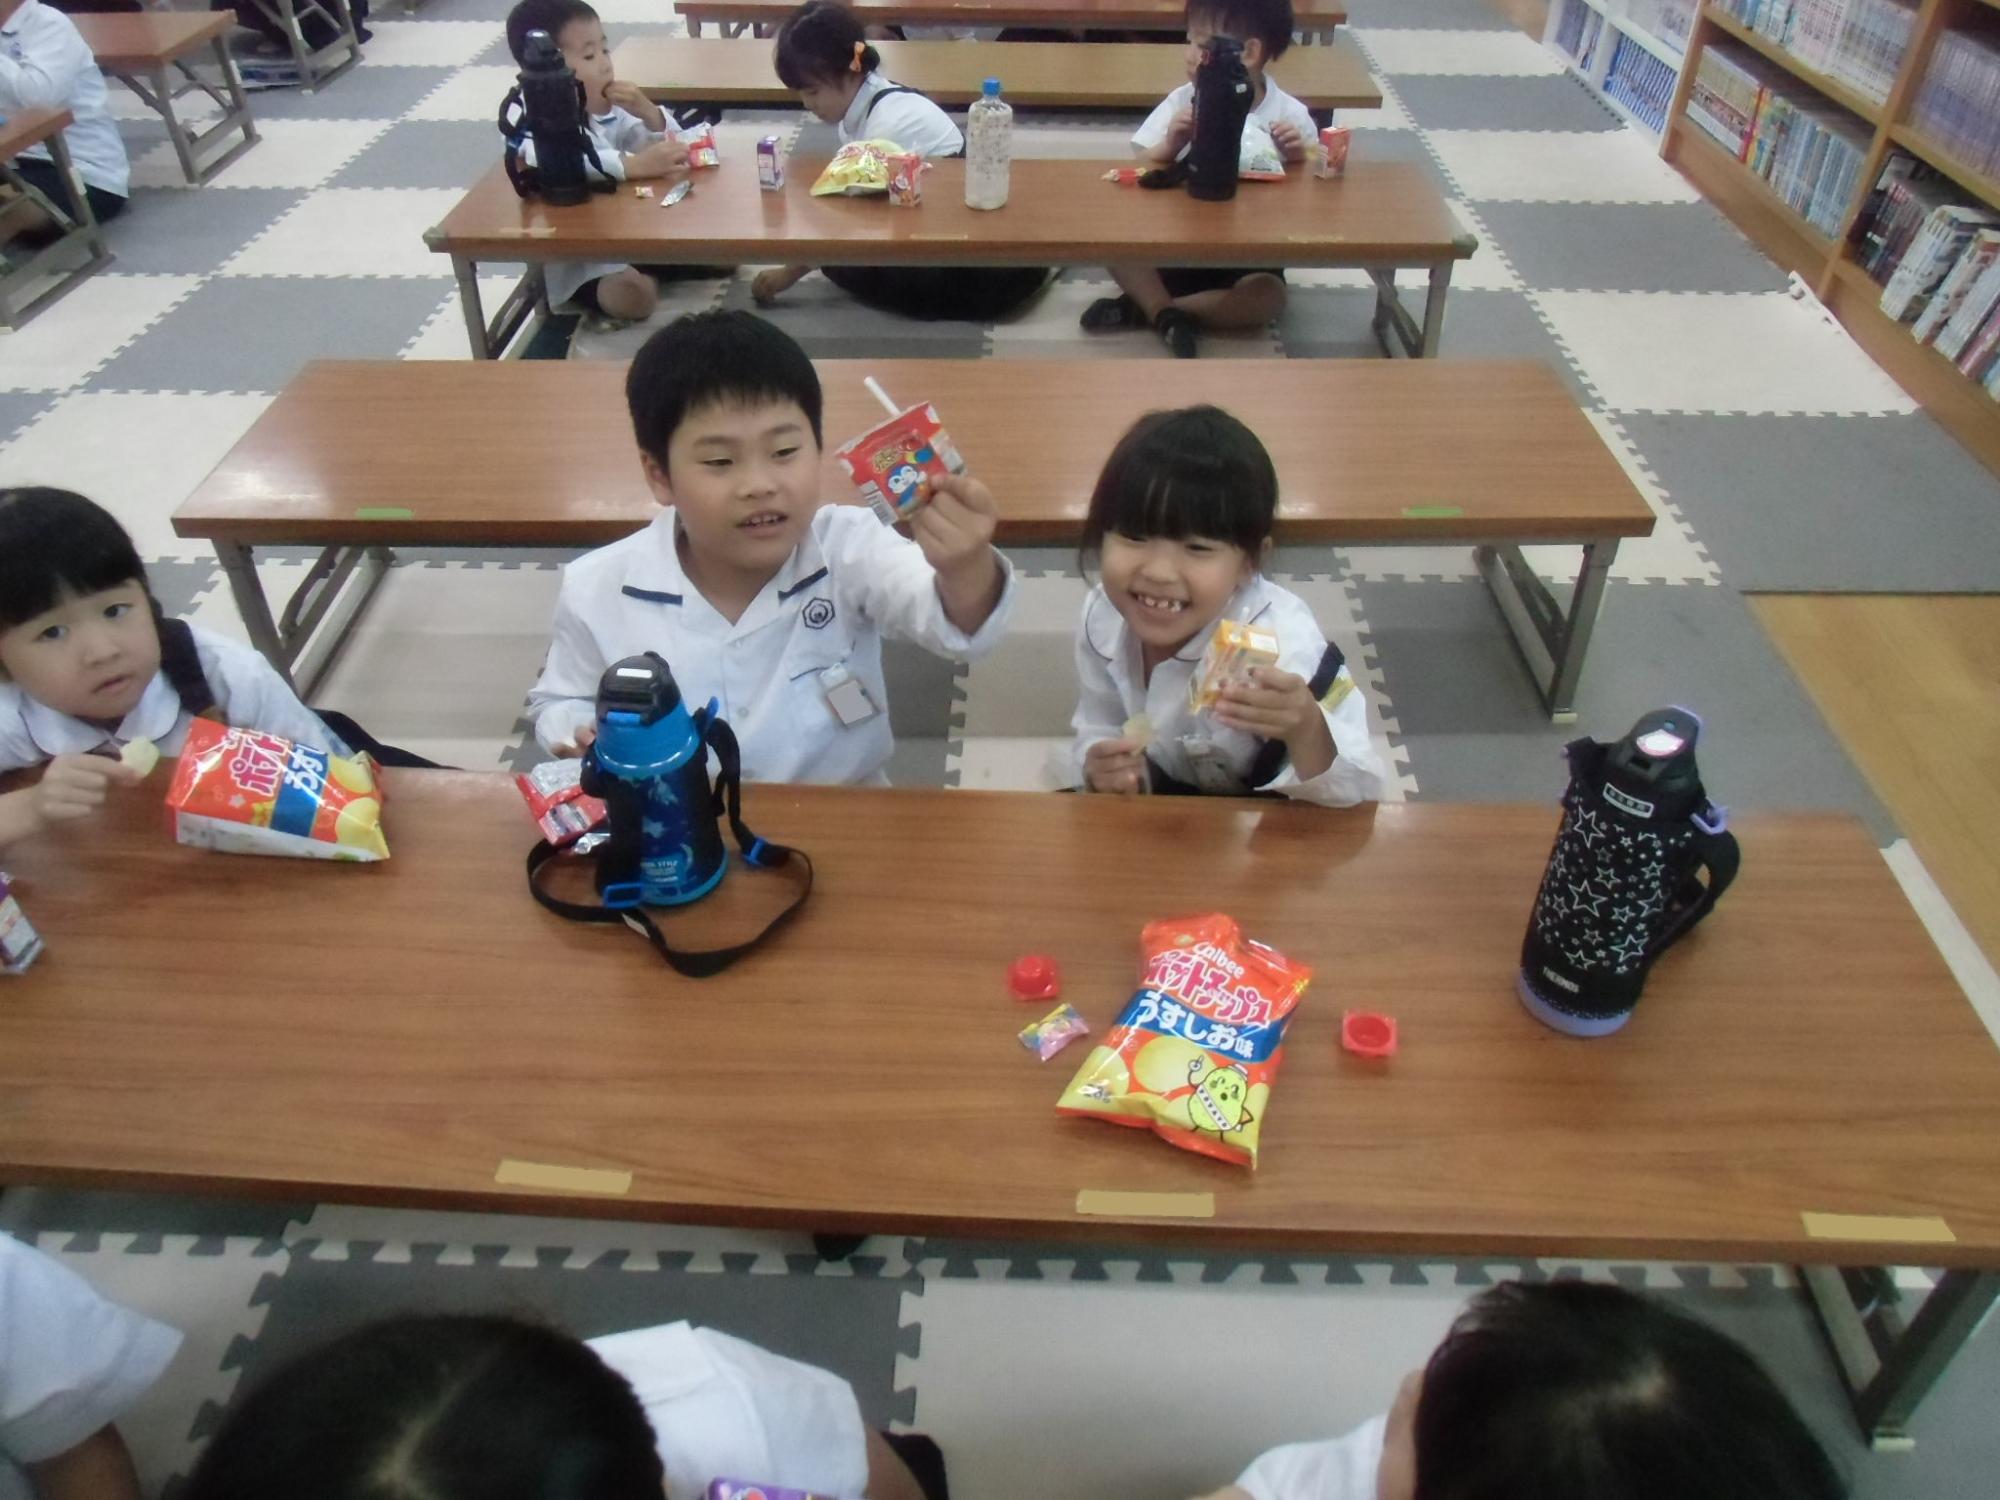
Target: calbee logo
{"points": [[818, 613]]}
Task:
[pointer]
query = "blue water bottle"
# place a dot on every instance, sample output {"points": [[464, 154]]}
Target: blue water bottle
{"points": [[650, 765]]}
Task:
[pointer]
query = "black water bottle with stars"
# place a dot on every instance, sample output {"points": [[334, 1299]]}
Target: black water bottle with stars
{"points": [[1642, 855]]}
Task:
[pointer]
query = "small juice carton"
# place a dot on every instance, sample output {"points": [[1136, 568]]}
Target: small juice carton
{"points": [[1232, 652], [906, 179], [20, 944], [1331, 160], [892, 465], [770, 165]]}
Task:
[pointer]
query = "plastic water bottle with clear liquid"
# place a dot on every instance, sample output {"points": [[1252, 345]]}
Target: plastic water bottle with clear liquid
{"points": [[989, 148]]}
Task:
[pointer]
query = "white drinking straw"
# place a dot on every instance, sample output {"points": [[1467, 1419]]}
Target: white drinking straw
{"points": [[881, 395]]}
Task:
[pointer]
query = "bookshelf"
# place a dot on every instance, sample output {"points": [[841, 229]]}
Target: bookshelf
{"points": [[1827, 262], [1627, 52]]}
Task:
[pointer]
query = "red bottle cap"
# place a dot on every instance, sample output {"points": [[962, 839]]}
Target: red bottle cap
{"points": [[1034, 976], [1368, 1035]]}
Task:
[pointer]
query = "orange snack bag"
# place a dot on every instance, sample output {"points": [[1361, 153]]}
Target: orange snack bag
{"points": [[244, 792], [1193, 1055]]}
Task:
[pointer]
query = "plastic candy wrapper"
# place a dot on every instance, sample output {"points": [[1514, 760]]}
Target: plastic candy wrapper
{"points": [[244, 792], [1330, 160], [1124, 176], [558, 803], [892, 465], [1055, 1031], [906, 179], [736, 1489], [1261, 160], [702, 151], [1232, 651], [858, 167], [20, 944], [1193, 1055]]}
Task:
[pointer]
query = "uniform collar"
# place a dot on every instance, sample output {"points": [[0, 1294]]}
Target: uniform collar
{"points": [[857, 108], [1111, 638], [662, 577], [153, 717], [12, 25]]}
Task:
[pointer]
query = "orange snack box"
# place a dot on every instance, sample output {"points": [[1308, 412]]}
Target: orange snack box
{"points": [[1232, 651], [892, 465], [244, 792]]}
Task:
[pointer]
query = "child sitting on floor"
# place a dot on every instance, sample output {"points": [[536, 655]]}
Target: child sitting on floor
{"points": [[757, 593], [1180, 523], [494, 1408], [822, 54], [634, 137], [89, 663], [46, 64], [1177, 302], [71, 1363], [1566, 1391]]}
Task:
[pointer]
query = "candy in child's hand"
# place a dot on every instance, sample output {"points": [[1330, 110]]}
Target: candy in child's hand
{"points": [[1139, 730], [140, 756]]}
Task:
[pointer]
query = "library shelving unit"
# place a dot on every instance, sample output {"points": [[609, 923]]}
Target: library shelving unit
{"points": [[1627, 52], [1826, 262]]}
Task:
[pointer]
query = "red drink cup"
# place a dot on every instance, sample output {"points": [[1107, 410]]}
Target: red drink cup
{"points": [[893, 465]]}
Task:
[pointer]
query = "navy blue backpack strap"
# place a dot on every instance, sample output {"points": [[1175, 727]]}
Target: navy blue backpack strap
{"points": [[1271, 754], [180, 660]]}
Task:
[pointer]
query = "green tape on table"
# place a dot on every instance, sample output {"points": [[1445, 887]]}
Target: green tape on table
{"points": [[1433, 512], [384, 513]]}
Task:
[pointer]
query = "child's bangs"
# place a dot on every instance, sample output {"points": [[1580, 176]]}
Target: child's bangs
{"points": [[1178, 500], [54, 545]]}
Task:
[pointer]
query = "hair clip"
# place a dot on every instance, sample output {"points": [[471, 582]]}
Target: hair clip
{"points": [[859, 48]]}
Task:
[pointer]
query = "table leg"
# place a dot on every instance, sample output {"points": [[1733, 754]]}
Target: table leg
{"points": [[1551, 642], [323, 609], [240, 568], [1391, 317], [694, 27], [1887, 1363], [1434, 309], [466, 271], [176, 132]]}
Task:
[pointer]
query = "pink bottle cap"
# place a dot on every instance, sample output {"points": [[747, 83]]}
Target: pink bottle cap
{"points": [[1368, 1035], [1034, 976]]}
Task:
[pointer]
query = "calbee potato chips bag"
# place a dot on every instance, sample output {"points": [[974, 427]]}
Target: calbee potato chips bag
{"points": [[858, 167], [245, 792], [1193, 1055]]}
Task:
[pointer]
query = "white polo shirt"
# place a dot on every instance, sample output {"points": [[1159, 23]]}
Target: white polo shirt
{"points": [[70, 1360], [249, 694], [1275, 106], [1194, 748], [849, 582], [910, 120], [46, 64], [722, 1408], [1338, 1469]]}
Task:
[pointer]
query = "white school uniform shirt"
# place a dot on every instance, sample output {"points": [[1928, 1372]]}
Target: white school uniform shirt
{"points": [[46, 64], [249, 694], [1194, 748], [613, 133], [1342, 1468], [722, 1408], [1276, 105], [910, 120], [70, 1360], [849, 582]]}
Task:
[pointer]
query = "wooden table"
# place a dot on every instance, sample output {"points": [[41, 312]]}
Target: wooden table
{"points": [[1381, 216], [148, 48], [1034, 75], [1315, 19], [1494, 453], [393, 1033], [18, 131]]}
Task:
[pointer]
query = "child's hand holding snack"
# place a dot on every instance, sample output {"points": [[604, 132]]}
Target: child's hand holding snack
{"points": [[1289, 140], [1278, 705], [661, 159], [1117, 766], [629, 97], [955, 531], [75, 786]]}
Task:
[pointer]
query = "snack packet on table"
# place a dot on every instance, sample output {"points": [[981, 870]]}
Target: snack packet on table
{"points": [[892, 464], [1232, 651], [906, 179], [702, 150], [245, 792], [1260, 159], [1193, 1055], [858, 167], [557, 802]]}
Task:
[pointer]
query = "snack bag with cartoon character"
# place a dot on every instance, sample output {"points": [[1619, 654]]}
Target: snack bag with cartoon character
{"points": [[245, 792], [1193, 1055]]}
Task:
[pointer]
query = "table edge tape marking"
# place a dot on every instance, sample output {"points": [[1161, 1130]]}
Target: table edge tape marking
{"points": [[534, 1174], [1878, 1228], [1146, 1205], [384, 513]]}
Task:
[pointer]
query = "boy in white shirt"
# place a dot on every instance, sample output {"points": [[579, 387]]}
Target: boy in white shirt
{"points": [[635, 140], [757, 593], [45, 64], [1567, 1390], [1177, 302], [467, 1408], [71, 1363]]}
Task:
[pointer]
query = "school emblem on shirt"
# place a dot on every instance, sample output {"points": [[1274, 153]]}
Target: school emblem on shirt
{"points": [[818, 613]]}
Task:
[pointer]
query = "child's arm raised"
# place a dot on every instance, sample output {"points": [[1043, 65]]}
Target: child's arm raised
{"points": [[628, 96], [73, 786], [956, 533]]}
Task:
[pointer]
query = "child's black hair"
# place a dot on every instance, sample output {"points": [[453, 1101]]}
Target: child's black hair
{"points": [[816, 44], [710, 357], [53, 544], [1193, 472], [1578, 1391], [542, 15], [429, 1407], [1270, 21]]}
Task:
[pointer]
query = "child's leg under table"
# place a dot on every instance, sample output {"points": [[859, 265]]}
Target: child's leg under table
{"points": [[1215, 297]]}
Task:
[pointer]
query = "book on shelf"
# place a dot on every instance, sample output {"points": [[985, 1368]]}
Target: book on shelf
{"points": [[1569, 28], [1723, 99], [1856, 42], [1897, 209], [1667, 21], [1641, 82], [1958, 103], [1977, 361], [1946, 231], [1974, 256], [1978, 304]]}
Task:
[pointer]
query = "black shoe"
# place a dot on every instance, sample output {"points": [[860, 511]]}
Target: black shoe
{"points": [[1176, 331], [1112, 312]]}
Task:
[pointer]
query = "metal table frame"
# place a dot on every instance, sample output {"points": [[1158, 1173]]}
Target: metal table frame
{"points": [[159, 90], [1889, 1362], [313, 75], [83, 230]]}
